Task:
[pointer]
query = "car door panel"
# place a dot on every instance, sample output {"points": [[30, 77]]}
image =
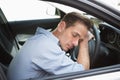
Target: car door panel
{"points": [[29, 26], [26, 29]]}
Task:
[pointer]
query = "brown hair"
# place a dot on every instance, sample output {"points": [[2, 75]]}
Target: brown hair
{"points": [[73, 17]]}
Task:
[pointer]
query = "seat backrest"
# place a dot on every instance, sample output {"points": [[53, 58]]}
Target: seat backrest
{"points": [[3, 72], [6, 43]]}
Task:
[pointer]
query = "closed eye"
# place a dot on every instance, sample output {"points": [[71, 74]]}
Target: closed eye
{"points": [[75, 34]]}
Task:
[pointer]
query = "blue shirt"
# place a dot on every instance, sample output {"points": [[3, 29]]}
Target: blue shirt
{"points": [[41, 56]]}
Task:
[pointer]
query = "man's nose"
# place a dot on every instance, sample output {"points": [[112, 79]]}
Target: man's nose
{"points": [[75, 42]]}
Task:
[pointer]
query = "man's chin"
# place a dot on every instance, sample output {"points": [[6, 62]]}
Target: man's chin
{"points": [[66, 50]]}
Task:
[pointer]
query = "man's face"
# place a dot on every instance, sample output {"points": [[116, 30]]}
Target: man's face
{"points": [[70, 37]]}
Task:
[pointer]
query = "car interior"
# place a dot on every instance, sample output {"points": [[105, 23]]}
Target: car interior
{"points": [[104, 49]]}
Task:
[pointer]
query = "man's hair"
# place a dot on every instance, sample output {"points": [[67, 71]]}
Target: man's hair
{"points": [[73, 17]]}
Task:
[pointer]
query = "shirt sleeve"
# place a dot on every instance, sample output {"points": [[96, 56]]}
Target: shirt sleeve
{"points": [[53, 60]]}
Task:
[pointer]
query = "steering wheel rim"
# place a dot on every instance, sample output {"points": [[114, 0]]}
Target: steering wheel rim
{"points": [[94, 48]]}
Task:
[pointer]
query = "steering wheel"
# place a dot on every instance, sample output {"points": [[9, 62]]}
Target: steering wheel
{"points": [[94, 48]]}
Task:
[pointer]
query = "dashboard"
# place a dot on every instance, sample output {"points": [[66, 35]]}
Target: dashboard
{"points": [[113, 38], [110, 36]]}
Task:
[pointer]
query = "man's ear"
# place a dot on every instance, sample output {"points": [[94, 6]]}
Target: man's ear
{"points": [[61, 26]]}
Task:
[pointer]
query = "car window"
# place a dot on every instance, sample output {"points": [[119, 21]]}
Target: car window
{"points": [[16, 10], [21, 10]]}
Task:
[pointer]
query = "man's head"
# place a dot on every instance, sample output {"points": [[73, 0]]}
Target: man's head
{"points": [[72, 29]]}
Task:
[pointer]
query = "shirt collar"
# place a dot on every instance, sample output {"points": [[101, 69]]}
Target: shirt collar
{"points": [[47, 33]]}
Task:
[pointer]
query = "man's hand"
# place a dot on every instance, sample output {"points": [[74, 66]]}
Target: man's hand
{"points": [[90, 35], [83, 55]]}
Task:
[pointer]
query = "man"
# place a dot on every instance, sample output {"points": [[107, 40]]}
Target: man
{"points": [[44, 54]]}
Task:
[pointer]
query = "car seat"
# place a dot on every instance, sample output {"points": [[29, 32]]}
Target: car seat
{"points": [[3, 72]]}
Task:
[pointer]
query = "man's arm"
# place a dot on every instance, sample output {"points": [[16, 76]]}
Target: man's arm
{"points": [[83, 55]]}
